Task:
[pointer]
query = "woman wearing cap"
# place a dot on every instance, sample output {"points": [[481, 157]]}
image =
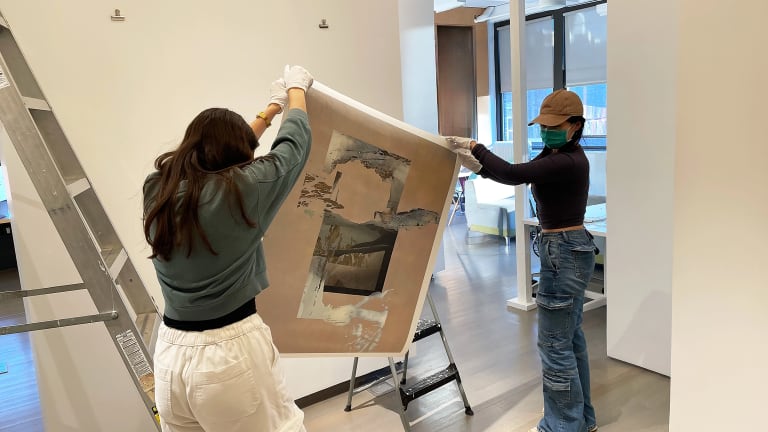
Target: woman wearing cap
{"points": [[559, 176]]}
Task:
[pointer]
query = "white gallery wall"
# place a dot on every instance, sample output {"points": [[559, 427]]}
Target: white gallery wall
{"points": [[720, 286], [688, 204], [640, 173], [125, 91]]}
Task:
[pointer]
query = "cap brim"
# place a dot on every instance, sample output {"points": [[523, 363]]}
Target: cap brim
{"points": [[549, 120]]}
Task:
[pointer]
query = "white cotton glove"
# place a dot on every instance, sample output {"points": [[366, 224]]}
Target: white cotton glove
{"points": [[460, 146], [297, 77], [459, 142], [278, 93]]}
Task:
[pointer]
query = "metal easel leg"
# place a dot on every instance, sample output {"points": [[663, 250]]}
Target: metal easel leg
{"points": [[405, 367], [348, 408], [401, 409]]}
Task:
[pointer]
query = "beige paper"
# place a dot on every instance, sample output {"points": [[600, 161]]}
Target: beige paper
{"points": [[351, 251]]}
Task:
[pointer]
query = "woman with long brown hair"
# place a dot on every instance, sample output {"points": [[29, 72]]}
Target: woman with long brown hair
{"points": [[206, 209]]}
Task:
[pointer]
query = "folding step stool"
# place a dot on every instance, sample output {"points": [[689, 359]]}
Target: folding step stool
{"points": [[424, 328]]}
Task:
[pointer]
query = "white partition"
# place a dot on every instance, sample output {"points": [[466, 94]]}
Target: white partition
{"points": [[642, 77], [687, 185]]}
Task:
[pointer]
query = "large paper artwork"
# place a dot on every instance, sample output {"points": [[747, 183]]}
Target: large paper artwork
{"points": [[350, 254]]}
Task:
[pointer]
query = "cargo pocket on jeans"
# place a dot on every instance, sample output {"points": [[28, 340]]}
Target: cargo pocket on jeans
{"points": [[558, 387], [555, 312], [225, 394]]}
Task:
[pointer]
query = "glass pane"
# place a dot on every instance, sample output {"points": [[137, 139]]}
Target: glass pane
{"points": [[585, 46], [539, 72], [505, 64], [535, 97], [539, 52], [506, 117], [594, 98]]}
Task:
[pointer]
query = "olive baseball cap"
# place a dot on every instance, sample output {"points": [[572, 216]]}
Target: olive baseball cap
{"points": [[558, 107]]}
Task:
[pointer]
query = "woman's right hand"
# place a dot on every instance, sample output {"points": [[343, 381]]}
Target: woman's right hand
{"points": [[297, 77], [278, 94], [460, 142]]}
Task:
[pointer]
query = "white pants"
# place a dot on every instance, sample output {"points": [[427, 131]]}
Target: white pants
{"points": [[227, 379]]}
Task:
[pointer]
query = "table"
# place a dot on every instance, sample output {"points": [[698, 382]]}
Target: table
{"points": [[595, 221]]}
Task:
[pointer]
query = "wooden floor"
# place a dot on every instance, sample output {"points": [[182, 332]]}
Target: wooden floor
{"points": [[495, 351], [19, 400], [494, 348]]}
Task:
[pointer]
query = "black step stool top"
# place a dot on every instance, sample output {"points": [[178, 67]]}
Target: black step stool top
{"points": [[426, 385], [426, 328]]}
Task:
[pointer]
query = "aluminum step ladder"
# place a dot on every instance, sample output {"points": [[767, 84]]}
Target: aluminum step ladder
{"points": [[420, 387], [123, 304]]}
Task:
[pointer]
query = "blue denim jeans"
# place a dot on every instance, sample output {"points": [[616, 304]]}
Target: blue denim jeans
{"points": [[567, 263]]}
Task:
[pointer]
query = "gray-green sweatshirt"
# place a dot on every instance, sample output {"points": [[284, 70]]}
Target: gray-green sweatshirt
{"points": [[204, 286]]}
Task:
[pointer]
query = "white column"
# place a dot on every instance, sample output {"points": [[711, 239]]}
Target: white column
{"points": [[523, 300]]}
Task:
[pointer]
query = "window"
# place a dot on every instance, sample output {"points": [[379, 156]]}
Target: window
{"points": [[539, 73], [579, 33], [585, 69], [595, 100]]}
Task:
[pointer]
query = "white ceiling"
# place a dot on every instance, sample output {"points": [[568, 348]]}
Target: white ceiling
{"points": [[531, 6]]}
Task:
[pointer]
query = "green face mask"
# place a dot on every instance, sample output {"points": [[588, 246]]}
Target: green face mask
{"points": [[554, 139]]}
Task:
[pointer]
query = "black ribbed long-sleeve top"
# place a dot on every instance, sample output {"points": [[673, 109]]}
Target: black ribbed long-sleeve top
{"points": [[559, 179]]}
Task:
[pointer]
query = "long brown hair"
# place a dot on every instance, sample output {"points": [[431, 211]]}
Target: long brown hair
{"points": [[215, 141]]}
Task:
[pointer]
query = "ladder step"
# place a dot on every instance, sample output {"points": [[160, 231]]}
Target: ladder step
{"points": [[117, 266], [426, 385], [77, 187], [426, 328], [36, 104]]}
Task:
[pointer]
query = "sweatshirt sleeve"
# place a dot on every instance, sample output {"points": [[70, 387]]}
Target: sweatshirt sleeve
{"points": [[271, 177], [552, 168], [150, 190]]}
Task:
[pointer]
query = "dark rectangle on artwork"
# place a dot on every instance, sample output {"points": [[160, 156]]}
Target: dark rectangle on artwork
{"points": [[357, 268]]}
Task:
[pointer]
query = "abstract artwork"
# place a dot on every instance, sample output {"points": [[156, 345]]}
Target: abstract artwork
{"points": [[351, 251]]}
